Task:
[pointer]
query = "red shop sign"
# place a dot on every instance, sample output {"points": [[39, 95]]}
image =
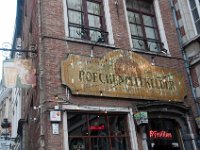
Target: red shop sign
{"points": [[160, 134]]}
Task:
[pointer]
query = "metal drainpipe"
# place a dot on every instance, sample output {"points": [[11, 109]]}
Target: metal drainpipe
{"points": [[186, 61], [41, 75]]}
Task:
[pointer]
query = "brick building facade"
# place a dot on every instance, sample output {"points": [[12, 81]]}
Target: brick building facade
{"points": [[100, 63]]}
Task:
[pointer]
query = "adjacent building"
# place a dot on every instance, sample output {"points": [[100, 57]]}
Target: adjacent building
{"points": [[111, 75]]}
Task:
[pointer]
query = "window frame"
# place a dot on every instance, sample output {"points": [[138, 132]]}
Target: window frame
{"points": [[109, 137], [154, 26], [84, 27]]}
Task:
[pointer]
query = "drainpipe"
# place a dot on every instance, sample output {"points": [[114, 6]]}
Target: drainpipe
{"points": [[186, 61]]}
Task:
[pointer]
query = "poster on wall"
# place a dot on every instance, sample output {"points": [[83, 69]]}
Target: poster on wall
{"points": [[18, 73]]}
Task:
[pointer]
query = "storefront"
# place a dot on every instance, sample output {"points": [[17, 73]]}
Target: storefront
{"points": [[159, 91]]}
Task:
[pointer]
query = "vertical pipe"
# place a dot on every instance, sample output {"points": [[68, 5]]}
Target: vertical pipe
{"points": [[186, 61]]}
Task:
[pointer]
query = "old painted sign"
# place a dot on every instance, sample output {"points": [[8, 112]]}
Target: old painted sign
{"points": [[121, 74]]}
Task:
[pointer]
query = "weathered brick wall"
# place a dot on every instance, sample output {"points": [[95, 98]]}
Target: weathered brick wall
{"points": [[53, 47]]}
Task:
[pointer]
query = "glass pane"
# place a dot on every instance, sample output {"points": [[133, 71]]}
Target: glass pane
{"points": [[198, 26], [132, 4], [98, 125], [138, 44], [136, 30], [74, 4], [93, 8], [94, 35], [94, 21], [119, 144], [192, 3], [100, 143], [78, 144], [148, 21], [195, 14], [150, 33], [133, 17], [154, 47], [77, 125], [146, 7], [75, 17], [117, 125]]}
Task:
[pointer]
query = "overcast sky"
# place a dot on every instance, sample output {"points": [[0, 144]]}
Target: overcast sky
{"points": [[7, 24]]}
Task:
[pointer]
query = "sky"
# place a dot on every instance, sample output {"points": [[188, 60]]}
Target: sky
{"points": [[7, 25]]}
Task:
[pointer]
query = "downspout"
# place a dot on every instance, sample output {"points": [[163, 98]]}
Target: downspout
{"points": [[186, 61], [41, 81], [187, 65]]}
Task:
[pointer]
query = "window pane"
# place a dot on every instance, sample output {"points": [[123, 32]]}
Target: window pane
{"points": [[119, 144], [94, 35], [75, 17], [78, 144], [146, 7], [136, 30], [132, 4], [195, 14], [150, 33], [138, 44], [198, 26], [192, 3], [77, 125], [75, 32], [97, 125], [75, 4], [148, 21], [133, 17], [155, 47], [100, 143], [93, 8], [117, 125], [94, 21]]}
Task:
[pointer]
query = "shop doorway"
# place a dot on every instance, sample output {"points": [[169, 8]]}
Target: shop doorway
{"points": [[163, 134]]}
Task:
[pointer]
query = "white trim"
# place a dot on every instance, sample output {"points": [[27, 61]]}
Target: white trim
{"points": [[108, 22], [65, 18], [65, 132], [160, 25], [128, 25], [131, 124]]}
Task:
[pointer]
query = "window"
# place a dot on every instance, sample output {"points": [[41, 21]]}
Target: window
{"points": [[94, 131], [195, 15], [143, 25], [86, 19]]}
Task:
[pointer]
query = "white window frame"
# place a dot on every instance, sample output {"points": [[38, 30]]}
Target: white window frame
{"points": [[131, 124], [160, 26], [107, 22]]}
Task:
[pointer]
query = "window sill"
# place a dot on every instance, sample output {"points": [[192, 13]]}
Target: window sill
{"points": [[151, 53], [91, 43]]}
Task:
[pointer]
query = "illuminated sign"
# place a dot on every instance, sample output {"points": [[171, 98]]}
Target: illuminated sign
{"points": [[102, 127], [160, 134], [121, 74]]}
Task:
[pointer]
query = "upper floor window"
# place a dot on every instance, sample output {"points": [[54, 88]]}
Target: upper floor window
{"points": [[86, 19], [143, 25], [195, 14]]}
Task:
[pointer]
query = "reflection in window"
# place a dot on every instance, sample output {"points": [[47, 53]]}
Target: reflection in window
{"points": [[143, 26], [195, 15], [94, 131], [86, 19]]}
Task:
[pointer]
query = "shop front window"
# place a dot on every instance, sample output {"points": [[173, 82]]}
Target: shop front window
{"points": [[94, 131], [163, 134]]}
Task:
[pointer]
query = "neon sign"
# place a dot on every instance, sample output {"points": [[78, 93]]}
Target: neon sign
{"points": [[102, 127], [160, 134]]}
